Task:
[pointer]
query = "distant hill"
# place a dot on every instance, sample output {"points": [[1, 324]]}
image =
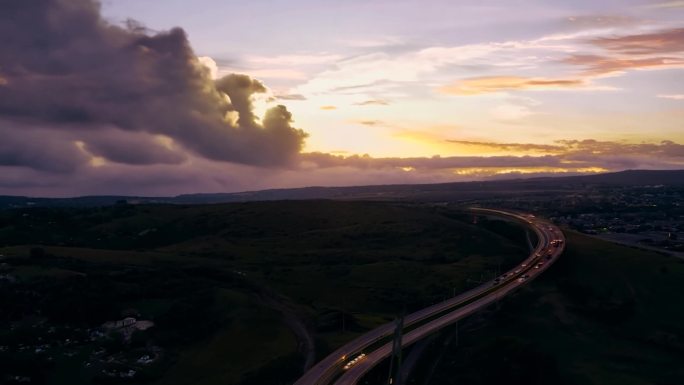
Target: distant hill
{"points": [[438, 191], [627, 178]]}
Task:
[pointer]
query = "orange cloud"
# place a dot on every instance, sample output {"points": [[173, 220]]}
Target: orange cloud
{"points": [[526, 147], [666, 41], [564, 155], [488, 84], [600, 65], [328, 108], [586, 148]]}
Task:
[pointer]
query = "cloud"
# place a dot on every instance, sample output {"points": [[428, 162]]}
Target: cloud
{"points": [[660, 42], [380, 74], [511, 146], [370, 122], [40, 149], [601, 65], [656, 50], [91, 107], [488, 84], [68, 150], [591, 147], [211, 65], [67, 69], [328, 108], [372, 102], [373, 42], [204, 175], [510, 112], [291, 97], [672, 96], [131, 148], [565, 156], [282, 69], [647, 51], [667, 5], [267, 73], [324, 160], [294, 60], [599, 21], [588, 149]]}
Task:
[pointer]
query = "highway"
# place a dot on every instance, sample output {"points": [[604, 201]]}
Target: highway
{"points": [[343, 367]]}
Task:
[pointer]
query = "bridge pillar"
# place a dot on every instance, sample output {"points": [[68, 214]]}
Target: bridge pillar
{"points": [[394, 377]]}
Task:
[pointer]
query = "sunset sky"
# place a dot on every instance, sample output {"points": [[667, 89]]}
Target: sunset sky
{"points": [[162, 97]]}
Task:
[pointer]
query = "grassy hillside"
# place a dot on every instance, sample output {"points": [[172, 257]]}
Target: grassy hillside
{"points": [[604, 314], [220, 280]]}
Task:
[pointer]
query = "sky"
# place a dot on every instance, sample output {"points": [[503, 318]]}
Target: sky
{"points": [[165, 97]]}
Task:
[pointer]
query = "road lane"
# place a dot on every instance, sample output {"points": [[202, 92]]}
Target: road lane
{"points": [[330, 368]]}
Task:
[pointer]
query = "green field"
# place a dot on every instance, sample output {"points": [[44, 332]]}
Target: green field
{"points": [[603, 314], [220, 280]]}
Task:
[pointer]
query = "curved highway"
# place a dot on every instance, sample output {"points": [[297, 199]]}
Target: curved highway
{"points": [[348, 364]]}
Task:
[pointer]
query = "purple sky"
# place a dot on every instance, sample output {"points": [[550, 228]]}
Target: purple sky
{"points": [[162, 97]]}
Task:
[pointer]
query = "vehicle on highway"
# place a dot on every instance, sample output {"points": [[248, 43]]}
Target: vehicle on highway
{"points": [[335, 371], [354, 361]]}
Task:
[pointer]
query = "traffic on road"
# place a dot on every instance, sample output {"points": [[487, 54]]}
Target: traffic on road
{"points": [[348, 364]]}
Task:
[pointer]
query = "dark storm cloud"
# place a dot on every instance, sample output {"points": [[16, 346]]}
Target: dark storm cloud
{"points": [[132, 148], [66, 150], [39, 149], [65, 67], [240, 89]]}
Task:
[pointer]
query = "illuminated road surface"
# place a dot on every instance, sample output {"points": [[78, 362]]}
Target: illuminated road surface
{"points": [[344, 367]]}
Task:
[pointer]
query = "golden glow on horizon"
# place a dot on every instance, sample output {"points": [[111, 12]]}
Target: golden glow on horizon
{"points": [[488, 171], [532, 103]]}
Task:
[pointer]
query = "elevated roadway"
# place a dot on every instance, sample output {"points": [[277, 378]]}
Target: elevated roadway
{"points": [[348, 364]]}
